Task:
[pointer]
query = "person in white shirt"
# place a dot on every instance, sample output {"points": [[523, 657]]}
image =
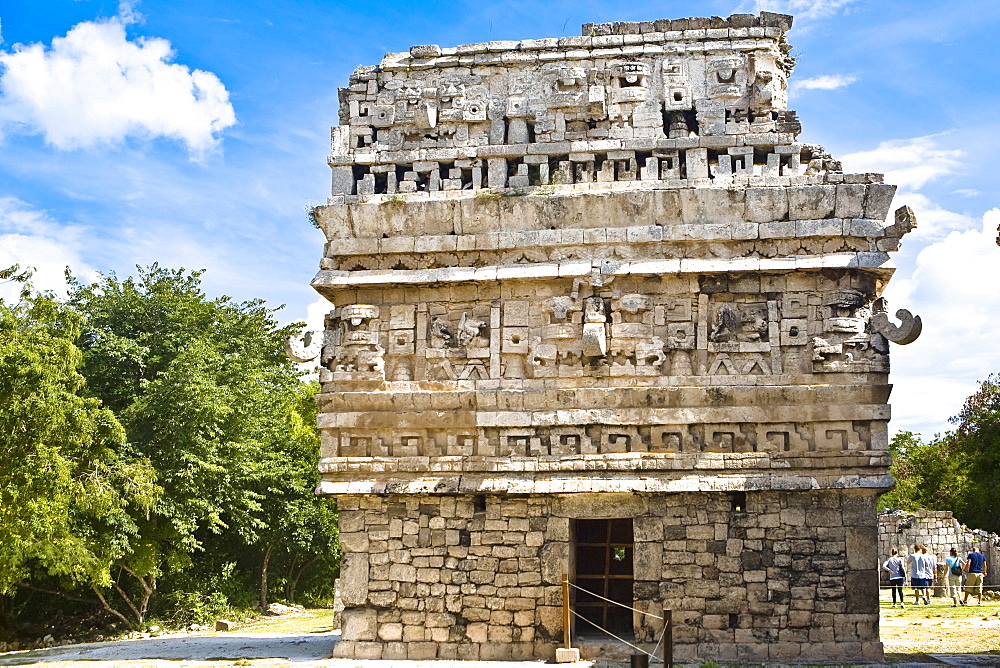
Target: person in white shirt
{"points": [[928, 568], [913, 565], [954, 565]]}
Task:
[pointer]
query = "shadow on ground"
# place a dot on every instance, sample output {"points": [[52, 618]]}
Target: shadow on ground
{"points": [[294, 647]]}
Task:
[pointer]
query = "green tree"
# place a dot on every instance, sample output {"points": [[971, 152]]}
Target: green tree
{"points": [[205, 392], [67, 495], [957, 471], [975, 444], [927, 474], [299, 529]]}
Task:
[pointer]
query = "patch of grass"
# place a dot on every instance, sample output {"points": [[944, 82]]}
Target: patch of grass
{"points": [[912, 633], [314, 620]]}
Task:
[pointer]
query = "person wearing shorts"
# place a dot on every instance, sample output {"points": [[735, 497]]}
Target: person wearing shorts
{"points": [[976, 570], [928, 569], [955, 566], [914, 564], [897, 576]]}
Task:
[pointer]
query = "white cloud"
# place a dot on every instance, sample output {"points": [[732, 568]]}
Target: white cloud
{"points": [[824, 82], [909, 163], [31, 238], [96, 87], [933, 221], [953, 289], [316, 313], [805, 9]]}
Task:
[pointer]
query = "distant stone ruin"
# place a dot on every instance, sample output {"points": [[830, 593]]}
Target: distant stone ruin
{"points": [[939, 531], [598, 313]]}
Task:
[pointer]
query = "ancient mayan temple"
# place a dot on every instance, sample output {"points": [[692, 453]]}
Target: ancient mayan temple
{"points": [[596, 311]]}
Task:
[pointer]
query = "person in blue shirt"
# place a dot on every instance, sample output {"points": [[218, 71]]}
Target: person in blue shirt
{"points": [[977, 569]]}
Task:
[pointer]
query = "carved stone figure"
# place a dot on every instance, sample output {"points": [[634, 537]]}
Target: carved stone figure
{"points": [[469, 330]]}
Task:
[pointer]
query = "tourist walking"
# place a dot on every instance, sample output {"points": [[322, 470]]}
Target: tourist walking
{"points": [[955, 566], [928, 572], [914, 564], [976, 570], [897, 576]]}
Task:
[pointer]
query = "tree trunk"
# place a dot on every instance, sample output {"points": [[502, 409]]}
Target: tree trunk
{"points": [[138, 611], [295, 580], [70, 597], [263, 577], [136, 614], [289, 570], [147, 594], [5, 605], [110, 610]]}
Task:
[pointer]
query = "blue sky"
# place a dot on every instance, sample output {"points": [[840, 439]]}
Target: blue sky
{"points": [[194, 133]]}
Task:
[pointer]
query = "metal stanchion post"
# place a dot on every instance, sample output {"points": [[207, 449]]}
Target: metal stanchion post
{"points": [[668, 639]]}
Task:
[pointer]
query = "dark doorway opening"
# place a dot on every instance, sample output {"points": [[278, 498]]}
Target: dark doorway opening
{"points": [[604, 576]]}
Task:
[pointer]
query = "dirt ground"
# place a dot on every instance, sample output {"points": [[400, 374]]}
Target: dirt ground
{"points": [[935, 634], [919, 632]]}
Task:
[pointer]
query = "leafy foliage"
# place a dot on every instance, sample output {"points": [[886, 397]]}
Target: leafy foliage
{"points": [[206, 393], [976, 443], [957, 471], [159, 453], [66, 492]]}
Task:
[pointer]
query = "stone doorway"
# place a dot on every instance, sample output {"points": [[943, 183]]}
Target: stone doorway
{"points": [[605, 550]]}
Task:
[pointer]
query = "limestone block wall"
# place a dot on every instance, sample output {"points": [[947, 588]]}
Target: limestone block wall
{"points": [[478, 576], [939, 531]]}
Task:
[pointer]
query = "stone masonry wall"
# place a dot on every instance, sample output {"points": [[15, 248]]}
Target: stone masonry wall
{"points": [[939, 531], [478, 577]]}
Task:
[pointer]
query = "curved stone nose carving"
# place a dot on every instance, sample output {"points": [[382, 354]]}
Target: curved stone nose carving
{"points": [[304, 348], [905, 333]]}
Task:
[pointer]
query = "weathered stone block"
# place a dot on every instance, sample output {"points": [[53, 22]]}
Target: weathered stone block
{"points": [[354, 579], [811, 202], [765, 205], [358, 624]]}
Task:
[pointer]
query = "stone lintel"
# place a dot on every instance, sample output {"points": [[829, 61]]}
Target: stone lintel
{"points": [[606, 416], [327, 282], [568, 485], [428, 397]]}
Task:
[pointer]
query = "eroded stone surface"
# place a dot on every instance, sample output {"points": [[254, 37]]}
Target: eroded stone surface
{"points": [[599, 277]]}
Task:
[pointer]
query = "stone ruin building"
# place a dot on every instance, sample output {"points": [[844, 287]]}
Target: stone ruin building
{"points": [[939, 531], [598, 312]]}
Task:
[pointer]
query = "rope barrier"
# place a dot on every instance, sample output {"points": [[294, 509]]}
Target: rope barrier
{"points": [[621, 640], [627, 607], [942, 585], [656, 650], [663, 631]]}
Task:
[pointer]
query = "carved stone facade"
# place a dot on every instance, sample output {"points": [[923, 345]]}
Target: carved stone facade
{"points": [[597, 278]]}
